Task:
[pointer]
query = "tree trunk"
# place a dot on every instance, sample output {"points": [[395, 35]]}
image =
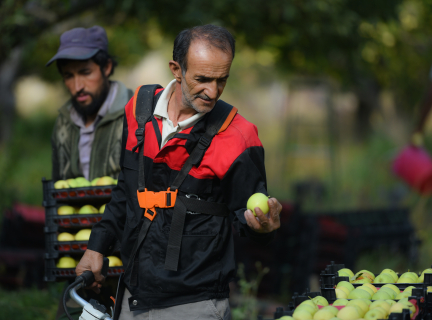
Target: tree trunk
{"points": [[8, 74]]}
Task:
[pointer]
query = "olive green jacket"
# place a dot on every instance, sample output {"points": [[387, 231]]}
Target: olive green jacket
{"points": [[106, 148]]}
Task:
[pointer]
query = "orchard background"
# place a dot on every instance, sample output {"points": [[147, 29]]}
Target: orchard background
{"points": [[333, 87]]}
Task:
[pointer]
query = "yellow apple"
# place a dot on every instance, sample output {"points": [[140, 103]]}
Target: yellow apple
{"points": [[406, 279], [369, 290], [359, 294], [359, 303], [381, 295], [88, 209], [397, 308], [323, 315], [105, 181], [393, 287], [65, 210], [402, 295], [390, 291], [102, 208], [94, 181], [320, 301], [340, 302], [345, 284], [390, 302], [302, 315], [371, 286], [346, 270], [82, 182], [83, 235], [380, 303], [309, 308], [392, 273], [344, 289], [65, 236], [66, 262], [311, 303], [72, 183], [61, 184], [348, 313], [364, 274], [384, 278], [421, 278], [258, 200], [331, 309], [408, 304], [114, 261], [375, 314], [286, 318], [341, 294]]}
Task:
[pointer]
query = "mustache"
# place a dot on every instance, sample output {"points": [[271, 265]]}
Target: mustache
{"points": [[82, 92], [203, 96]]}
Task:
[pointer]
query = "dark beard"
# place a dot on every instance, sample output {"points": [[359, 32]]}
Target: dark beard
{"points": [[96, 103]]}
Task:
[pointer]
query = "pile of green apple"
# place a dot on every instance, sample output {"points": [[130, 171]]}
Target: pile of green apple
{"points": [[348, 310], [386, 276], [82, 235], [346, 290], [83, 182], [87, 209]]}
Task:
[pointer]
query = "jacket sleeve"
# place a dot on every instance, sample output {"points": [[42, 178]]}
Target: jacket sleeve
{"points": [[110, 228], [245, 177]]}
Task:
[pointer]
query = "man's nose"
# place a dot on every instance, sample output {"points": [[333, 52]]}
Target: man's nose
{"points": [[212, 90], [79, 84]]}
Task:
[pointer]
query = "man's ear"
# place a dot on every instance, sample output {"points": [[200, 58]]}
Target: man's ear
{"points": [[176, 70], [108, 68]]}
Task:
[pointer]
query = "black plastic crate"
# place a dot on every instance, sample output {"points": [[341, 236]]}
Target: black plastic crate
{"points": [[55, 224]]}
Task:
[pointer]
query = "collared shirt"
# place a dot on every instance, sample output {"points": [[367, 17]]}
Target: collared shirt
{"points": [[87, 133], [161, 111]]}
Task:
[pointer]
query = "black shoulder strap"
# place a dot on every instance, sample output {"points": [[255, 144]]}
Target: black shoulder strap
{"points": [[218, 119], [144, 103], [215, 121]]}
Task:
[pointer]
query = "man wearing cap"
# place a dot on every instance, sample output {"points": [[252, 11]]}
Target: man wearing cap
{"points": [[86, 139]]}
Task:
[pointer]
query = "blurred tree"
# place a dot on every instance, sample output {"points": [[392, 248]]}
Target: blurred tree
{"points": [[364, 45]]}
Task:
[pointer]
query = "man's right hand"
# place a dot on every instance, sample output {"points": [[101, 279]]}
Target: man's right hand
{"points": [[92, 261]]}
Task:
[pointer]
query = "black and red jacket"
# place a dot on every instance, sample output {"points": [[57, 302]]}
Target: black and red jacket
{"points": [[231, 170]]}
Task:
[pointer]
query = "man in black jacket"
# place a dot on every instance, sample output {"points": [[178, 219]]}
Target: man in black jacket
{"points": [[182, 270]]}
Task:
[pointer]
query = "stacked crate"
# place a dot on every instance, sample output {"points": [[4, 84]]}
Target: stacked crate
{"points": [[55, 224]]}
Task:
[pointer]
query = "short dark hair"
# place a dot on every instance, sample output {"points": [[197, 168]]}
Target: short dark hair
{"points": [[216, 36], [101, 58]]}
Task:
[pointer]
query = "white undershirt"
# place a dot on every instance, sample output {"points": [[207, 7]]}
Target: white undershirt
{"points": [[161, 111]]}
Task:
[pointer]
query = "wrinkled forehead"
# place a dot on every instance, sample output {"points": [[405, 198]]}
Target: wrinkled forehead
{"points": [[202, 53]]}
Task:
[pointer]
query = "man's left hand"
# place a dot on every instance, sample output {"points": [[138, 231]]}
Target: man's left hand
{"points": [[265, 223]]}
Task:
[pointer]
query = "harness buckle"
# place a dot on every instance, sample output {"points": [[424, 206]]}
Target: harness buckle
{"points": [[151, 200], [139, 133], [203, 142]]}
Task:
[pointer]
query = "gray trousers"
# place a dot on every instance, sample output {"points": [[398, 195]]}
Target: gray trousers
{"points": [[203, 310]]}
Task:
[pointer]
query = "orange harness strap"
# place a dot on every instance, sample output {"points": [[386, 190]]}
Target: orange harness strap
{"points": [[151, 200]]}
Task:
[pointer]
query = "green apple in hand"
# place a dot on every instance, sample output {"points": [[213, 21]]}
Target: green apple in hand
{"points": [[258, 200]]}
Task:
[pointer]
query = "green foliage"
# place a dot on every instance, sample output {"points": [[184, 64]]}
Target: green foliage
{"points": [[247, 307], [25, 160], [30, 304]]}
